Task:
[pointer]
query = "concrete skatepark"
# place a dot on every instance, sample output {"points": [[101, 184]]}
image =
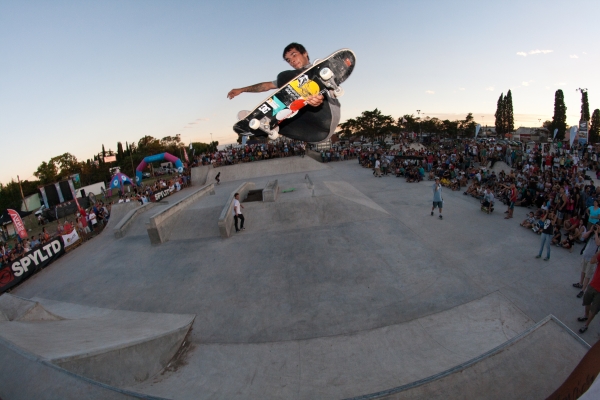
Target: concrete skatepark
{"points": [[344, 287]]}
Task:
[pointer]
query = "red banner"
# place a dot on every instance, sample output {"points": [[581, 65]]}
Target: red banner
{"points": [[19, 225]]}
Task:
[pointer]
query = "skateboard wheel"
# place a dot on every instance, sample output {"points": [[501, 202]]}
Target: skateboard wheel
{"points": [[243, 114], [273, 134], [254, 123], [326, 74], [338, 92]]}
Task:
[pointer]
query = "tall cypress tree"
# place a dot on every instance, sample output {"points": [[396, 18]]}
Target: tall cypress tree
{"points": [[559, 120], [119, 151], [500, 115], [585, 107], [594, 135], [509, 117]]}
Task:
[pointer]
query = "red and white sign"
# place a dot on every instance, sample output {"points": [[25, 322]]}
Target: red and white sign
{"points": [[19, 225]]}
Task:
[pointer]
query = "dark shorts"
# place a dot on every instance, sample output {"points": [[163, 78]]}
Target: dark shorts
{"points": [[511, 205], [591, 298], [438, 204], [312, 124]]}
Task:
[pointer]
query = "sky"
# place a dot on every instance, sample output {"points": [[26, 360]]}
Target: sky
{"points": [[75, 75]]}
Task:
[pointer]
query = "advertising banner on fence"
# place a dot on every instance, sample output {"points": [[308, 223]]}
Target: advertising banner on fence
{"points": [[21, 268], [18, 222], [158, 196], [70, 238]]}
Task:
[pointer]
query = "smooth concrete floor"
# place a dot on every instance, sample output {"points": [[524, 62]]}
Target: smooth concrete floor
{"points": [[353, 255]]}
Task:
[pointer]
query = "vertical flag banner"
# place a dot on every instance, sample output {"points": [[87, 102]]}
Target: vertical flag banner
{"points": [[244, 138], [555, 132], [477, 128], [187, 160], [572, 134], [44, 197], [60, 196], [18, 222]]}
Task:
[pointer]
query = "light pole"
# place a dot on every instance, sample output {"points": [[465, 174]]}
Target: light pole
{"points": [[420, 133]]}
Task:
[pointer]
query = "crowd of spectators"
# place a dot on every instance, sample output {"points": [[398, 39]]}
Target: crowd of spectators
{"points": [[251, 152]]}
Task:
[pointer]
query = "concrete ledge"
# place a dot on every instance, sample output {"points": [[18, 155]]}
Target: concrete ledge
{"points": [[25, 376], [271, 191], [226, 217], [124, 223], [160, 225]]}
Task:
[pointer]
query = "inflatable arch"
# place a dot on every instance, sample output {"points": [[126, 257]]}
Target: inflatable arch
{"points": [[157, 157]]}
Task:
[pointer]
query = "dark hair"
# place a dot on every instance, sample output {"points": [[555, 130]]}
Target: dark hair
{"points": [[236, 194], [296, 46]]}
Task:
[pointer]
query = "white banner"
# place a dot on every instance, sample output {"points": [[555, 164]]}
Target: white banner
{"points": [[572, 135], [555, 132], [477, 128], [70, 238]]}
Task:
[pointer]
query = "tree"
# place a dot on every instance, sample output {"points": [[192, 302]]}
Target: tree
{"points": [[509, 117], [585, 106], [10, 196], [119, 151], [374, 124], [594, 135], [103, 152], [500, 115], [559, 120], [67, 163], [467, 125], [47, 172]]}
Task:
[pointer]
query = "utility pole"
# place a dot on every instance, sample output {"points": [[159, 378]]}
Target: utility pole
{"points": [[420, 132], [22, 197]]}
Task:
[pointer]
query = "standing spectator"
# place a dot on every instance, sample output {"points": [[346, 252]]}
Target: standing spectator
{"points": [[591, 298], [438, 201], [549, 219], [92, 219], [218, 178], [587, 268], [377, 170], [512, 198], [237, 211]]}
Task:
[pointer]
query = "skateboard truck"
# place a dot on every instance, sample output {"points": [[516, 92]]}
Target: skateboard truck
{"points": [[326, 74], [264, 126]]}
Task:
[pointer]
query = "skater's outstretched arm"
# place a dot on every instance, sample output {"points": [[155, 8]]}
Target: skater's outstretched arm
{"points": [[259, 87]]}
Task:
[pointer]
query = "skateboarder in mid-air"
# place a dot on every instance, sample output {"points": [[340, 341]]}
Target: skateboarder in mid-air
{"points": [[314, 124]]}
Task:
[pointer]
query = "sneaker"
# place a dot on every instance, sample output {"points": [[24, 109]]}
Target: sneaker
{"points": [[242, 229], [538, 256], [432, 213], [580, 294], [577, 285], [441, 216], [546, 259]]}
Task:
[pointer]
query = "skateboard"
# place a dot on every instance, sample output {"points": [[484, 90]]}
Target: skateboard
{"points": [[322, 77]]}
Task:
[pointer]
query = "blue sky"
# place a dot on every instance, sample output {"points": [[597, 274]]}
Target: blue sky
{"points": [[78, 74]]}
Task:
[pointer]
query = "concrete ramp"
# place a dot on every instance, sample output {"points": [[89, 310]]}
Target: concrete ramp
{"points": [[114, 347], [14, 308], [255, 169], [529, 366]]}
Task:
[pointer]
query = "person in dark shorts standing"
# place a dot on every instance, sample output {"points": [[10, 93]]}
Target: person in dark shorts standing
{"points": [[591, 298], [438, 201], [313, 124], [237, 213]]}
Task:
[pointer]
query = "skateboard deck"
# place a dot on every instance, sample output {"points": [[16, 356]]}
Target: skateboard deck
{"points": [[288, 103]]}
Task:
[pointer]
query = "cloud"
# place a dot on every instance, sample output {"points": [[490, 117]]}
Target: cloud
{"points": [[537, 51], [525, 83], [490, 88], [429, 92], [583, 52], [532, 52], [461, 88], [573, 56], [203, 119]]}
